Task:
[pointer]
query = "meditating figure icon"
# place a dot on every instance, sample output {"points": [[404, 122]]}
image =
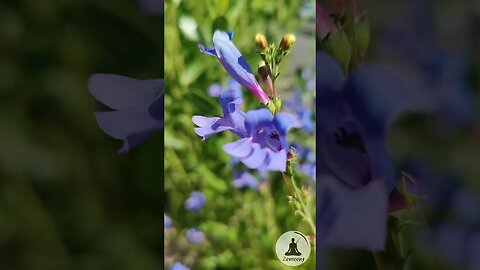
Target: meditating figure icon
{"points": [[292, 249]]}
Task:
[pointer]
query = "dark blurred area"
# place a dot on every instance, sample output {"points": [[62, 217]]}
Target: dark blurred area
{"points": [[433, 46], [67, 200]]}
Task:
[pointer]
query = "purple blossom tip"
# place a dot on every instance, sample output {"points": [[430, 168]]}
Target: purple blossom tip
{"points": [[234, 63]]}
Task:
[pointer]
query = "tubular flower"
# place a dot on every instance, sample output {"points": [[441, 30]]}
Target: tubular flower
{"points": [[234, 63], [356, 174]]}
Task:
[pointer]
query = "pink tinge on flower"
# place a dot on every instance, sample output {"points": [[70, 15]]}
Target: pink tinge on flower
{"points": [[339, 7], [234, 63], [325, 23]]}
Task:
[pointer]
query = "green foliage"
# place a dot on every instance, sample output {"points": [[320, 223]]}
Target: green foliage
{"points": [[67, 200]]}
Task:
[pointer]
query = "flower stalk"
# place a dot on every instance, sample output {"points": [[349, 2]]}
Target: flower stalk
{"points": [[297, 199]]}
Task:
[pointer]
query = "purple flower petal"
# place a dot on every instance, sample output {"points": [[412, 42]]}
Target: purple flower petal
{"points": [[209, 51], [134, 125], [376, 96], [256, 119], [283, 122], [120, 92], [239, 149], [245, 180], [256, 157], [277, 161], [348, 218], [208, 126], [329, 74]]}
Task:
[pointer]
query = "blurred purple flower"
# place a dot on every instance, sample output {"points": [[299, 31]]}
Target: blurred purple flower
{"points": [[452, 242], [302, 114], [308, 166], [195, 236], [474, 251], [167, 222], [234, 63], [152, 7], [354, 165], [179, 266], [216, 89], [195, 202], [138, 106], [245, 180], [306, 160], [465, 205], [437, 78]]}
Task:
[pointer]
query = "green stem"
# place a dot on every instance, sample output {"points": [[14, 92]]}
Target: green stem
{"points": [[303, 205]]}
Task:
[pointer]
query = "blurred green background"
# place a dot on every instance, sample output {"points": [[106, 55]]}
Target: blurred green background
{"points": [[67, 200], [240, 226]]}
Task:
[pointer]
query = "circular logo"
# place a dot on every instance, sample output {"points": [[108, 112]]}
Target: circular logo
{"points": [[293, 248]]}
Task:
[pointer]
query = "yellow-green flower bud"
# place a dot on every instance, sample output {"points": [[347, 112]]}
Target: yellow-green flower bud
{"points": [[362, 32], [271, 107], [339, 46], [261, 42], [278, 104], [287, 42]]}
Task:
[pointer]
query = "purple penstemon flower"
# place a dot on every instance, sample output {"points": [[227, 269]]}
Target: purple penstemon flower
{"points": [[195, 236], [234, 63], [263, 143], [195, 202], [355, 173], [216, 89], [265, 146], [303, 115], [138, 106], [179, 266], [245, 180], [167, 222]]}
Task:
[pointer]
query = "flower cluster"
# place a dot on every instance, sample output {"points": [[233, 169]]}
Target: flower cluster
{"points": [[262, 144]]}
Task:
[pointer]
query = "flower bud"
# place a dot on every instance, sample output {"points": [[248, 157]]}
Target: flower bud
{"points": [[362, 32], [287, 42], [278, 104], [261, 42], [271, 107], [338, 45], [264, 72]]}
